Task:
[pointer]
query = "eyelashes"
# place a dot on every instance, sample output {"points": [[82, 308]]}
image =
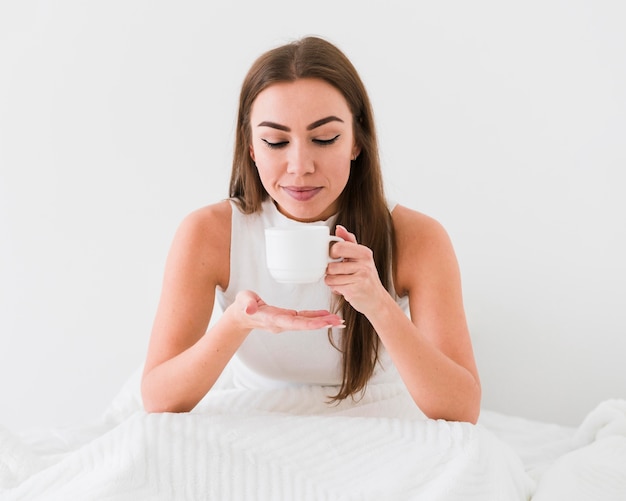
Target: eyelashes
{"points": [[275, 146], [326, 142], [282, 144]]}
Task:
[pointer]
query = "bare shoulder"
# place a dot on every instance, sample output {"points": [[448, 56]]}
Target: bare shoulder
{"points": [[408, 222], [417, 233], [421, 246], [214, 219], [203, 239], [208, 226]]}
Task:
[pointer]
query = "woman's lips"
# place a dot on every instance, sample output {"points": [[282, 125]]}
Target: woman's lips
{"points": [[302, 193]]}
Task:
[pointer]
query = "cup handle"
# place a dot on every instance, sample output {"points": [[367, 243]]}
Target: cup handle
{"points": [[335, 239]]}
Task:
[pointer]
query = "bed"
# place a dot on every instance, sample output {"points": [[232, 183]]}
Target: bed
{"points": [[288, 443]]}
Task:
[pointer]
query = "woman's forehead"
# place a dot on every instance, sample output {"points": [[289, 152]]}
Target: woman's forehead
{"points": [[307, 99]]}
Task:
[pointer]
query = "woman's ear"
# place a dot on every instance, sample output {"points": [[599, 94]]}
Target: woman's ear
{"points": [[356, 151], [252, 153]]}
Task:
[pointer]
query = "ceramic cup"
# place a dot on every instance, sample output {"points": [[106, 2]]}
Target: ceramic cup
{"points": [[298, 254]]}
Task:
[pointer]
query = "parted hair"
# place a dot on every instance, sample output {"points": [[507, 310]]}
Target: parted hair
{"points": [[363, 207]]}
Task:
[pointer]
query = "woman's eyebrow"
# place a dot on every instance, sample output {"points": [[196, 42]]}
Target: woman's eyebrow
{"points": [[314, 125], [274, 125], [322, 121]]}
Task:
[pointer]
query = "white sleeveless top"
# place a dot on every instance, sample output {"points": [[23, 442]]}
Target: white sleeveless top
{"points": [[268, 360]]}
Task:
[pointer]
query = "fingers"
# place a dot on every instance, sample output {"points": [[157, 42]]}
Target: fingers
{"points": [[313, 313], [343, 268], [358, 268], [303, 323], [259, 315], [339, 249], [314, 320], [350, 249], [355, 277], [308, 323], [342, 232], [319, 318]]}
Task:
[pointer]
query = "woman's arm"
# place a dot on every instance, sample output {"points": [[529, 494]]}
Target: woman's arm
{"points": [[432, 351], [184, 359], [182, 363]]}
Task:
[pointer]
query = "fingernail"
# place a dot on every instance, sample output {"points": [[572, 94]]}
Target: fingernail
{"points": [[330, 326]]}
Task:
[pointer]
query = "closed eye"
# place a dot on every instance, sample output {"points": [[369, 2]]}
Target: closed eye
{"points": [[280, 144], [326, 142]]}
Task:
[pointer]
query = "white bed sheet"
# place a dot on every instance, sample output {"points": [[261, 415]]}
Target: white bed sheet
{"points": [[288, 444]]}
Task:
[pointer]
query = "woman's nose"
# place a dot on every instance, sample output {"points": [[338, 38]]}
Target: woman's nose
{"points": [[300, 160]]}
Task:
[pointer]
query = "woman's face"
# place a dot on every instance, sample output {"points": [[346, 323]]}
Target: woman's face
{"points": [[302, 145]]}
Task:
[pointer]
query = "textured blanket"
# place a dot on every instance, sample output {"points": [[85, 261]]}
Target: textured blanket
{"points": [[265, 445], [595, 468]]}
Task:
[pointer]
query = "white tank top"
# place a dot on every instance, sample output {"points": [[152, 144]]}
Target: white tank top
{"points": [[265, 359]]}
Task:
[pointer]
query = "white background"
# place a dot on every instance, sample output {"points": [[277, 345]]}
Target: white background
{"points": [[504, 120]]}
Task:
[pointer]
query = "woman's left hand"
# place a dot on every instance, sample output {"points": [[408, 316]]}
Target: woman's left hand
{"points": [[356, 277]]}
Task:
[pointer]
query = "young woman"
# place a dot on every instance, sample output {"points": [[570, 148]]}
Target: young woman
{"points": [[306, 153]]}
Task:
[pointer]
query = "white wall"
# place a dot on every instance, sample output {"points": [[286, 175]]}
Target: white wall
{"points": [[507, 123]]}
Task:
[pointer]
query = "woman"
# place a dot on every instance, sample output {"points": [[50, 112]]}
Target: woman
{"points": [[306, 152]]}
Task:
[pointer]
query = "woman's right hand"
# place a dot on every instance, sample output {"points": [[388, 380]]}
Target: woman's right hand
{"points": [[253, 313]]}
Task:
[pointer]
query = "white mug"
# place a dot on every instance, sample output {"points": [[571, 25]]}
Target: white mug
{"points": [[298, 254]]}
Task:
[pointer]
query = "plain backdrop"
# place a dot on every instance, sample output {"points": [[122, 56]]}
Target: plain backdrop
{"points": [[506, 121]]}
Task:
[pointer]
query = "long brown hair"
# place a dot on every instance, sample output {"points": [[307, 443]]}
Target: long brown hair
{"points": [[362, 205]]}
